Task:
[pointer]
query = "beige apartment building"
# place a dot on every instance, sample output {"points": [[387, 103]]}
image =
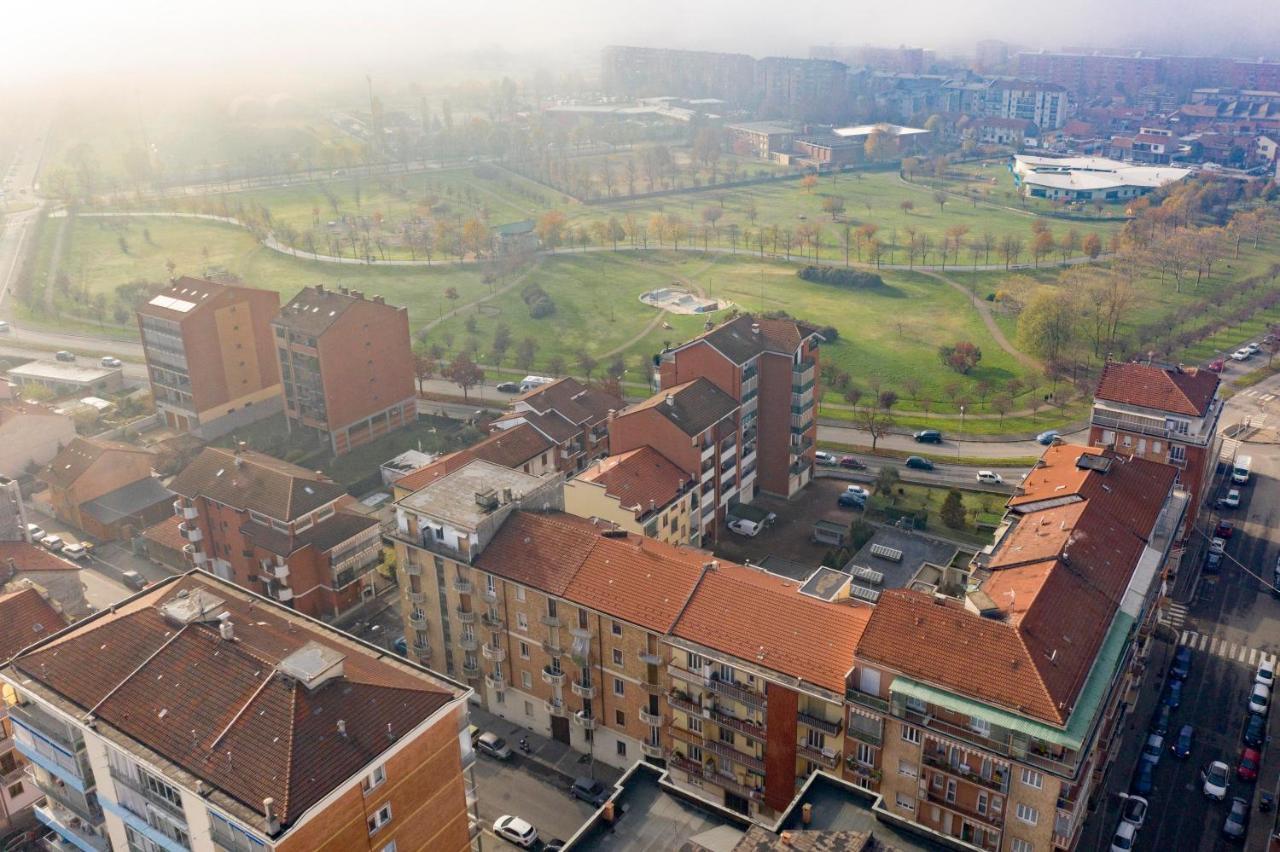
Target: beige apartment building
{"points": [[641, 491]]}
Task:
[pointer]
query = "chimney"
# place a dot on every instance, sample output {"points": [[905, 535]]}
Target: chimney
{"points": [[806, 813], [613, 413], [342, 727], [269, 811], [390, 734], [506, 495], [671, 400], [241, 446], [227, 630], [755, 328], [357, 294], [319, 288], [343, 290], [379, 300]]}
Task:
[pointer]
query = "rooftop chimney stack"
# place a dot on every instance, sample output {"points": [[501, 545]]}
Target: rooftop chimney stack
{"points": [[755, 328], [671, 400], [269, 811], [227, 630], [342, 727]]}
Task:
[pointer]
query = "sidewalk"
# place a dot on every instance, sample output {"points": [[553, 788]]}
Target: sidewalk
{"points": [[552, 755]]}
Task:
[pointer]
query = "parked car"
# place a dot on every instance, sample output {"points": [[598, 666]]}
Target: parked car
{"points": [[928, 436], [857, 491], [35, 532], [1215, 777], [1181, 663], [825, 458], [401, 646], [1259, 699], [508, 387], [1212, 563], [1152, 750], [4, 327], [133, 580], [1232, 500], [1255, 730], [1134, 810], [52, 542], [1182, 745], [1217, 364], [1160, 721], [852, 463], [64, 355], [516, 830], [589, 790], [1144, 778], [990, 477], [1173, 695], [919, 463], [109, 361], [1217, 545], [1236, 825], [1047, 436], [1124, 838], [851, 501], [1266, 673], [1225, 529], [1241, 355], [1253, 348], [555, 844], [742, 526], [1247, 767], [74, 550], [493, 745]]}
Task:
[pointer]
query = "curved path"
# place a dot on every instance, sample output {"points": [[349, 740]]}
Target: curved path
{"points": [[993, 328]]}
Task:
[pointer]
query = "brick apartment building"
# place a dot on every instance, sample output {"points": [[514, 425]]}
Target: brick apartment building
{"points": [[993, 716], [641, 491], [347, 365], [219, 720], [571, 415], [770, 367], [697, 427], [1166, 414], [210, 357], [277, 529]]}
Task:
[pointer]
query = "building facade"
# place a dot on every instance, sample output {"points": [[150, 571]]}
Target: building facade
{"points": [[279, 530], [572, 416], [210, 358], [285, 735], [347, 365], [640, 491], [90, 468]]}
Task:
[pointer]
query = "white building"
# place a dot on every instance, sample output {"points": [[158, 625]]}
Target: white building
{"points": [[1088, 178]]}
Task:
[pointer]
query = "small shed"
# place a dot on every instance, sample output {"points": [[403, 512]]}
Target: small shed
{"points": [[830, 532]]}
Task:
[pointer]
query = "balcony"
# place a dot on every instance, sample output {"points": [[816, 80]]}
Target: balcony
{"points": [[284, 594], [470, 668], [685, 675], [708, 452], [819, 724], [423, 650], [493, 622], [651, 688], [412, 568], [580, 632], [187, 513], [488, 594], [751, 762], [552, 677], [550, 620], [552, 649], [418, 620], [584, 721], [584, 690], [71, 827], [938, 797], [650, 718], [497, 683], [873, 702], [678, 702], [190, 532], [461, 586], [417, 597], [997, 782], [651, 659], [554, 706], [737, 693], [650, 750], [803, 372], [465, 616], [729, 451], [1001, 746], [468, 643], [1150, 427], [823, 757], [742, 726], [494, 654]]}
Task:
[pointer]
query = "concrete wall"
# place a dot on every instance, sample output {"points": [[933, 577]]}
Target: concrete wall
{"points": [[33, 438]]}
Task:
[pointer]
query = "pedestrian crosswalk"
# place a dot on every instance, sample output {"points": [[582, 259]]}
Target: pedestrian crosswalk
{"points": [[1259, 395], [1175, 616], [1237, 652]]}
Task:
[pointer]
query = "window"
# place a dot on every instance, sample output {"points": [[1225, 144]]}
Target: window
{"points": [[490, 584], [622, 749], [379, 819], [524, 650], [866, 755], [620, 718], [696, 662], [619, 688], [695, 724], [910, 734], [1028, 814], [526, 680], [907, 768], [726, 673], [982, 803], [1020, 845], [520, 593], [726, 735], [1177, 452], [15, 791], [616, 628], [617, 656], [162, 790], [582, 619], [390, 847], [1032, 778], [980, 726], [906, 802], [374, 778], [528, 705], [551, 608], [522, 621]]}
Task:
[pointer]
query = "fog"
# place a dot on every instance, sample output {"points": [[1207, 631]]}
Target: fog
{"points": [[58, 42]]}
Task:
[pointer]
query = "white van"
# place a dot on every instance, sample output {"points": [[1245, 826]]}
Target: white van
{"points": [[742, 526], [528, 383], [1240, 472]]}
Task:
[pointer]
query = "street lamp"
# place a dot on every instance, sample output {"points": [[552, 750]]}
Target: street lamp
{"points": [[962, 418]]}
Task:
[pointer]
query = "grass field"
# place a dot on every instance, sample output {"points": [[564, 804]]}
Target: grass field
{"points": [[910, 497]]}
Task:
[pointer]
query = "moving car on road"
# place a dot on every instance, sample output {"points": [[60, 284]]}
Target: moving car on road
{"points": [[1182, 745], [928, 436], [1224, 529], [64, 355], [518, 831], [990, 477], [1047, 437], [508, 387], [852, 463], [824, 458], [493, 745], [919, 463], [1215, 777], [109, 361]]}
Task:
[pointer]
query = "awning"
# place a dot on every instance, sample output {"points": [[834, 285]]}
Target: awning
{"points": [[1091, 696]]}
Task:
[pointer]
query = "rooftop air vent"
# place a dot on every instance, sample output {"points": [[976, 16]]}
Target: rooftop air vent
{"points": [[197, 607], [313, 665]]}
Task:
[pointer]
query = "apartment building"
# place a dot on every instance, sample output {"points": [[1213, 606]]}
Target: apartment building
{"points": [[571, 415], [277, 529], [440, 528], [650, 71], [347, 365], [1165, 414], [210, 357], [640, 491], [1091, 73], [1042, 104], [26, 617], [696, 426], [197, 716], [770, 367], [992, 717]]}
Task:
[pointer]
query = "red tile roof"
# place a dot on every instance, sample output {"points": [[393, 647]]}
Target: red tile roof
{"points": [[253, 481], [639, 580], [78, 456], [575, 402], [692, 407], [542, 550], [1187, 390], [738, 341], [227, 712], [166, 534], [638, 479], [29, 557], [26, 618]]}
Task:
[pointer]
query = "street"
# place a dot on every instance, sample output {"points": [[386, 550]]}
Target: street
{"points": [[523, 788]]}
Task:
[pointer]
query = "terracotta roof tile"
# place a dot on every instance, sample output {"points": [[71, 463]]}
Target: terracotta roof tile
{"points": [[256, 482], [29, 557], [166, 534], [639, 580], [441, 467], [512, 447], [26, 618], [577, 403], [737, 341], [78, 456], [638, 478], [539, 550], [1188, 391], [692, 407]]}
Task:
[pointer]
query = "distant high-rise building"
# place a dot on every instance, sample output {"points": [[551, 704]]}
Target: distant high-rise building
{"points": [[651, 71]]}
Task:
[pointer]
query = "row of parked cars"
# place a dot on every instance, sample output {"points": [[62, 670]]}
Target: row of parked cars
{"points": [[55, 543]]}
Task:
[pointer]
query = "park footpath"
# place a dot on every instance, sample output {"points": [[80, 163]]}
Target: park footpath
{"points": [[554, 757]]}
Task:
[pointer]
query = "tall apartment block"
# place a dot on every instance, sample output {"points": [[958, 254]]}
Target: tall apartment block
{"points": [[277, 529], [770, 367], [196, 716], [347, 365], [210, 357], [1165, 414], [652, 71]]}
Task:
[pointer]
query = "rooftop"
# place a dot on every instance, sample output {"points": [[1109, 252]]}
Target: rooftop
{"points": [[455, 498], [186, 295], [897, 556], [127, 501], [772, 128], [252, 481], [78, 456], [1178, 390], [61, 371], [1078, 173], [638, 479], [247, 716], [868, 129], [744, 337], [575, 402], [26, 618], [29, 557], [316, 308], [692, 407]]}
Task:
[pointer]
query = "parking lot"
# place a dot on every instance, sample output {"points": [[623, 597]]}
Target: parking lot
{"points": [[791, 534]]}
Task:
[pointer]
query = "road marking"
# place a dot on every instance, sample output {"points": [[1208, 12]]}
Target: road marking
{"points": [[1186, 637], [1251, 393], [1267, 397], [1203, 638], [1233, 651], [1253, 656]]}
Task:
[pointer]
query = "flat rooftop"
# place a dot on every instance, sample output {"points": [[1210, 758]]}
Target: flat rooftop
{"points": [[453, 498], [649, 816], [913, 549], [62, 371]]}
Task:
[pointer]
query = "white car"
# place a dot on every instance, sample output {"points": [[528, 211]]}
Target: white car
{"points": [[108, 361], [1218, 545], [1253, 348], [1153, 749], [1134, 810], [52, 542], [857, 491], [1266, 673], [1259, 699], [1124, 838], [36, 533], [1215, 775], [75, 550], [516, 830], [1232, 500], [1241, 355], [990, 477], [824, 457]]}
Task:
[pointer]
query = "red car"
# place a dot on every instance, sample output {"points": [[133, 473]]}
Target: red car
{"points": [[1216, 366], [1250, 760], [852, 463], [1224, 529]]}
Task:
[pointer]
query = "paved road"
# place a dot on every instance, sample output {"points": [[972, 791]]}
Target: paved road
{"points": [[523, 788]]}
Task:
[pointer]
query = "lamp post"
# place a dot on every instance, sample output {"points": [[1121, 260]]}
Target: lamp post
{"points": [[962, 418]]}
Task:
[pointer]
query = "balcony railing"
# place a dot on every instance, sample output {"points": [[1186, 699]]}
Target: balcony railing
{"points": [[470, 669], [417, 621], [650, 718], [997, 782], [584, 690], [466, 616], [70, 826], [488, 594], [555, 707], [553, 677], [1152, 429], [938, 797], [582, 720], [737, 693], [497, 683], [751, 762], [822, 757], [652, 688], [552, 649], [491, 621], [651, 750], [461, 586], [468, 643], [1003, 747], [742, 726], [866, 736], [874, 702], [494, 654], [710, 774], [550, 620], [819, 724], [684, 704]]}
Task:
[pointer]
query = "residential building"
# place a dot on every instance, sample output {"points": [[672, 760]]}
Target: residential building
{"points": [[26, 617], [1166, 414], [1088, 178], [571, 415], [789, 86], [210, 356], [1088, 74], [1042, 104], [13, 512], [31, 433], [520, 447], [1014, 132], [650, 71], [347, 365], [770, 367], [761, 139], [90, 469], [999, 736], [279, 530], [440, 528], [697, 427], [640, 491], [63, 379], [25, 566], [220, 720]]}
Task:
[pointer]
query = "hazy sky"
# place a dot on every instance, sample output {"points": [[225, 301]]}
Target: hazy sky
{"points": [[50, 38]]}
